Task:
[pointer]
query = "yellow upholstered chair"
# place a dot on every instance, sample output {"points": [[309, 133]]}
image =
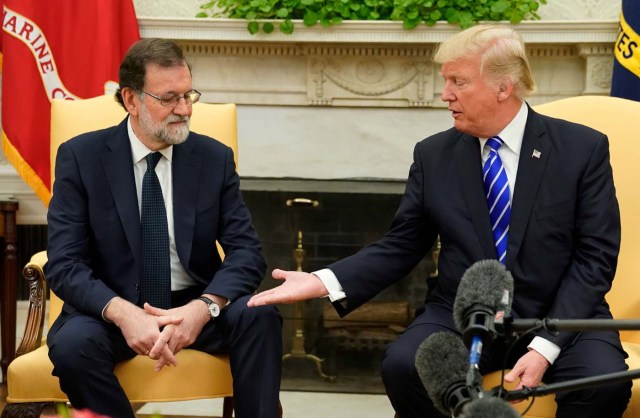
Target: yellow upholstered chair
{"points": [[30, 385], [618, 119]]}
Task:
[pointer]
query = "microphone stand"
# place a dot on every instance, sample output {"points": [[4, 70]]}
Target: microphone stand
{"points": [[575, 384], [508, 326]]}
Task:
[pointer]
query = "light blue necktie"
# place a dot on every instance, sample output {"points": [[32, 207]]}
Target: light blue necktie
{"points": [[155, 277], [496, 186]]}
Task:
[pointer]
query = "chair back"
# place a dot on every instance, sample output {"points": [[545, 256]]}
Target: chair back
{"points": [[70, 118], [617, 119]]}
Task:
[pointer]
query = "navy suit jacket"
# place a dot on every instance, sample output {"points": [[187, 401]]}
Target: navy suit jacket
{"points": [[94, 243], [564, 233]]}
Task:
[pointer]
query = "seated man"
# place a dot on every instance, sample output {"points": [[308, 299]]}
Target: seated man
{"points": [[504, 183], [133, 223]]}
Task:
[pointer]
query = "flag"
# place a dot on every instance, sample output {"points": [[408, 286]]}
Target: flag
{"points": [[67, 49], [626, 63]]}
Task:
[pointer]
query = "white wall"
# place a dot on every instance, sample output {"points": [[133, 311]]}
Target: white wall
{"points": [[553, 10]]}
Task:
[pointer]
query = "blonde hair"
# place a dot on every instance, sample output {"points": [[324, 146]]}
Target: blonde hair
{"points": [[502, 55]]}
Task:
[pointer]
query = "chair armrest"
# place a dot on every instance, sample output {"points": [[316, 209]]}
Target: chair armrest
{"points": [[34, 325], [630, 337]]}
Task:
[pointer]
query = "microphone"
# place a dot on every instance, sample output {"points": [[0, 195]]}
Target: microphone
{"points": [[485, 289], [441, 362], [489, 408]]}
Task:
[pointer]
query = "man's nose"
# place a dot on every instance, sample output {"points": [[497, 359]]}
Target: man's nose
{"points": [[182, 108], [447, 96]]}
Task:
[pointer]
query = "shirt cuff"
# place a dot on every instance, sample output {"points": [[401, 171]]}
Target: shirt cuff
{"points": [[330, 281], [105, 308], [546, 348]]}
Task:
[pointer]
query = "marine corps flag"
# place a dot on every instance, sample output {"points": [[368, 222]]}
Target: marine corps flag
{"points": [[626, 62], [67, 49]]}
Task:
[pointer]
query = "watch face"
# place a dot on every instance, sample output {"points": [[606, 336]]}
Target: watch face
{"points": [[214, 310]]}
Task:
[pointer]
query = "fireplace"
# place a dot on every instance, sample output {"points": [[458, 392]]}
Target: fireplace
{"points": [[348, 215]]}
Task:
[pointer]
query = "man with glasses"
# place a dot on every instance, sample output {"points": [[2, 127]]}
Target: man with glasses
{"points": [[133, 223]]}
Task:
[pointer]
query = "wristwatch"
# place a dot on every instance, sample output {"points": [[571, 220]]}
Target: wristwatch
{"points": [[214, 309]]}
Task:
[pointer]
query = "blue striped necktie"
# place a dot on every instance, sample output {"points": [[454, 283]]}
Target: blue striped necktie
{"points": [[155, 277], [496, 186]]}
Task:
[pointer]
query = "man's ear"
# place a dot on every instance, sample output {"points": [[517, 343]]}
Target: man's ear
{"points": [[505, 89], [131, 101]]}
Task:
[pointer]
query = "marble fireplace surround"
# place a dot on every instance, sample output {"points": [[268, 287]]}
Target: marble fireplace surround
{"points": [[328, 108]]}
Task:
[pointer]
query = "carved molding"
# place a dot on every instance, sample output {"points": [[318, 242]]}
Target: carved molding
{"points": [[547, 51], [334, 81], [600, 74], [208, 49], [595, 49], [380, 76]]}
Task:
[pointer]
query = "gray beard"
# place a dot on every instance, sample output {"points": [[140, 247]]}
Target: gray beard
{"points": [[162, 131], [173, 136]]}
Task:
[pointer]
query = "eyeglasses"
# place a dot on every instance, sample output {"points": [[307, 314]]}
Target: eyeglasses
{"points": [[189, 97]]}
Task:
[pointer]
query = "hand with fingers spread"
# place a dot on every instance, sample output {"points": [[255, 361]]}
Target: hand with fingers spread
{"points": [[296, 286]]}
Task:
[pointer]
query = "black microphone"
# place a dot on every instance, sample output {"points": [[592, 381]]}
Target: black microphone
{"points": [[489, 408], [441, 361], [485, 289]]}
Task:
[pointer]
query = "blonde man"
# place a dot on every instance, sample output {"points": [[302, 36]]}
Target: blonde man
{"points": [[557, 231]]}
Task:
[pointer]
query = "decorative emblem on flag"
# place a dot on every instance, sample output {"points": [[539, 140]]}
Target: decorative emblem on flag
{"points": [[55, 49]]}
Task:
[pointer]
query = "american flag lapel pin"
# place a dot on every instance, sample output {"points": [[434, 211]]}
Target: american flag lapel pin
{"points": [[536, 154]]}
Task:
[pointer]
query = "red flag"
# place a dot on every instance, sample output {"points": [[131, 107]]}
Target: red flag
{"points": [[66, 49]]}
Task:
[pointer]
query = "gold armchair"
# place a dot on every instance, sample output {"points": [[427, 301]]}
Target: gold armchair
{"points": [[30, 385], [618, 119]]}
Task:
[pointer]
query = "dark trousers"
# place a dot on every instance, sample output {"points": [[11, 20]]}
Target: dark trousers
{"points": [[588, 355], [84, 351]]}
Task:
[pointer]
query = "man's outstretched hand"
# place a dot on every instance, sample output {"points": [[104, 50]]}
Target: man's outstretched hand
{"points": [[296, 286]]}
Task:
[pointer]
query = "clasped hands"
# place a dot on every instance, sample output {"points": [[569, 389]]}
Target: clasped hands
{"points": [[160, 333], [182, 325]]}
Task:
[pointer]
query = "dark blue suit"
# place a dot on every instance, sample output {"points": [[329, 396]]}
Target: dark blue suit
{"points": [[94, 253], [564, 239]]}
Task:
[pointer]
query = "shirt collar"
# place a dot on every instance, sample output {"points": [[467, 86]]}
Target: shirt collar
{"points": [[139, 151], [513, 133]]}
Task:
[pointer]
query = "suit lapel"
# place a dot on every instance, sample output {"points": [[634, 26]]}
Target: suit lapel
{"points": [[185, 172], [118, 167], [469, 168], [534, 155]]}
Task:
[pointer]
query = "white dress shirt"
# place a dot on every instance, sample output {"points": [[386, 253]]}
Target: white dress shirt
{"points": [[180, 279]]}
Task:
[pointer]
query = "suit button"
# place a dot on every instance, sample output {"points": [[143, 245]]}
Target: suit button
{"points": [[137, 286]]}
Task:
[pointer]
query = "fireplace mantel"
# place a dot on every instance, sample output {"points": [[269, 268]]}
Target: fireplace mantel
{"points": [[371, 64]]}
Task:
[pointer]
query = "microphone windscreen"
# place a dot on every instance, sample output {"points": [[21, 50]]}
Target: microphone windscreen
{"points": [[489, 408], [441, 361], [483, 284]]}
